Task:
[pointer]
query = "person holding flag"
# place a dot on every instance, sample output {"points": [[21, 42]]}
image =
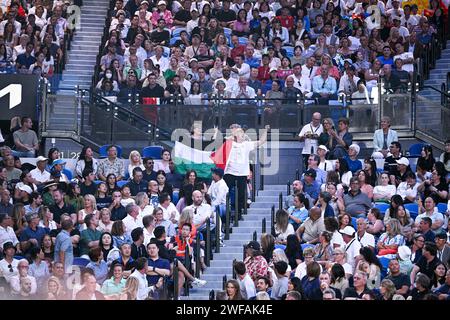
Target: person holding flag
{"points": [[234, 158]]}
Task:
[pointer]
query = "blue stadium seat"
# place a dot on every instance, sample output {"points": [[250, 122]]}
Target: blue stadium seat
{"points": [[228, 32], [104, 153], [166, 53], [19, 257], [68, 173], [80, 262], [354, 222], [416, 149], [413, 209], [97, 182], [442, 207], [173, 40], [152, 152], [307, 245], [175, 197], [280, 246], [385, 264], [121, 183], [243, 41], [289, 51], [176, 32], [381, 206]]}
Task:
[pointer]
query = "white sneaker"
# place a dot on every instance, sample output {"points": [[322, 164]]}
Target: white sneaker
{"points": [[198, 282]]}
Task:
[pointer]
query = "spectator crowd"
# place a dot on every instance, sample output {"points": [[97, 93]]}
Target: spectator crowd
{"points": [[280, 49]]}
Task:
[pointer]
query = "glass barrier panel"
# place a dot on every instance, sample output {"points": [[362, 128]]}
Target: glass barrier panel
{"points": [[398, 108], [363, 117], [432, 118]]}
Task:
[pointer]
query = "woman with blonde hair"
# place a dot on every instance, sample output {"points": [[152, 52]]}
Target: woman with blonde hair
{"points": [[282, 227], [90, 207], [135, 161], [390, 240], [267, 246], [46, 218], [387, 290], [131, 289], [55, 291]]}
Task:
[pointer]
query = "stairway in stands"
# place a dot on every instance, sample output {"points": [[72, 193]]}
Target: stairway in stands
{"points": [[428, 102], [80, 62], [222, 262]]}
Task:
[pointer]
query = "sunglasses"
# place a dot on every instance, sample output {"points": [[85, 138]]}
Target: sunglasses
{"points": [[10, 268]]}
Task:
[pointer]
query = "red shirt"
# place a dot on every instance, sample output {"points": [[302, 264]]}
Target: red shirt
{"points": [[237, 51], [287, 22], [263, 73]]}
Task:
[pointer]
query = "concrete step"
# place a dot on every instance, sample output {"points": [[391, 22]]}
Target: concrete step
{"points": [[266, 192]]}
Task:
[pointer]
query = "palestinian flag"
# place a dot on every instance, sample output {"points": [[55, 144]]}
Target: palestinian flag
{"points": [[187, 158]]}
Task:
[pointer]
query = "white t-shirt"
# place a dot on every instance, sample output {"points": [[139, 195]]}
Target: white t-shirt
{"points": [[247, 286], [238, 163], [352, 250], [366, 240], [337, 239], [406, 66], [309, 129]]}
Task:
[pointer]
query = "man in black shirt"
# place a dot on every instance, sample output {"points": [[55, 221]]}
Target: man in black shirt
{"points": [[175, 89], [133, 30], [427, 263], [183, 15], [390, 163], [359, 288], [137, 247], [400, 280], [88, 186], [153, 90], [149, 174], [137, 184], [117, 210], [61, 207], [160, 35], [226, 16]]}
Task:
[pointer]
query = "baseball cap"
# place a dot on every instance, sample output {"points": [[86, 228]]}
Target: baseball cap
{"points": [[348, 231], [217, 171], [311, 173], [58, 161], [161, 3], [193, 59], [355, 147], [323, 147], [403, 161], [25, 188], [273, 69], [41, 158], [253, 245], [144, 2]]}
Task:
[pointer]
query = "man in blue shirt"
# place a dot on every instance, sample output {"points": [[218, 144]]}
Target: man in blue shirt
{"points": [[249, 58], [324, 86], [157, 267], [64, 247], [310, 185], [352, 159], [33, 234], [386, 58], [25, 60]]}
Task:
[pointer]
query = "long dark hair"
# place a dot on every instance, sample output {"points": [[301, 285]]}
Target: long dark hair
{"points": [[371, 176], [446, 154], [83, 153], [370, 256], [49, 155], [293, 246], [398, 200], [343, 167]]}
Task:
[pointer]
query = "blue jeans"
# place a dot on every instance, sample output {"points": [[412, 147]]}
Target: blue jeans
{"points": [[23, 154]]}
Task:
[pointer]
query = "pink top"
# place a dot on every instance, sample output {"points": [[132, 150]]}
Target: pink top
{"points": [[166, 15], [332, 72]]}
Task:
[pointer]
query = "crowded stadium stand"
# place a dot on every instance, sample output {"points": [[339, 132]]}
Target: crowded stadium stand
{"points": [[224, 150]]}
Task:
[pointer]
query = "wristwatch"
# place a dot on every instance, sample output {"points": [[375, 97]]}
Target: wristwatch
{"points": [[154, 269]]}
